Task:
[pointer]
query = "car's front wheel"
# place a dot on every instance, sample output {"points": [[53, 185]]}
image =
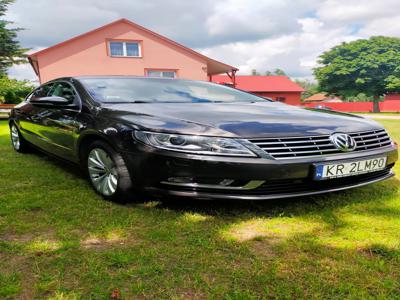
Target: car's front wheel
{"points": [[17, 141], [108, 172]]}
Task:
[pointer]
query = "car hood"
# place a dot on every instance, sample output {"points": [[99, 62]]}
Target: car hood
{"points": [[258, 119]]}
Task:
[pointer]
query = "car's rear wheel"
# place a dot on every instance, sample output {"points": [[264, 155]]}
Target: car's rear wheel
{"points": [[108, 172], [17, 141]]}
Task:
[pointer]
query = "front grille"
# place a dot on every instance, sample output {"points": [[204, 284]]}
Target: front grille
{"points": [[306, 146]]}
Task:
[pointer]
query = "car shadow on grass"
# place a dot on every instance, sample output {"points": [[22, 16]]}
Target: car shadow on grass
{"points": [[376, 193]]}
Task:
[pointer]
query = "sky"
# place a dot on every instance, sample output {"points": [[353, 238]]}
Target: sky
{"points": [[249, 34]]}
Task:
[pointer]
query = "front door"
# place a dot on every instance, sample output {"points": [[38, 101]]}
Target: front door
{"points": [[58, 124]]}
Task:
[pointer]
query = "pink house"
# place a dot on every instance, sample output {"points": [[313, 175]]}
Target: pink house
{"points": [[124, 48]]}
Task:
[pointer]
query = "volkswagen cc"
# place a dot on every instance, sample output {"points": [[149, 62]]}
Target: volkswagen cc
{"points": [[171, 137]]}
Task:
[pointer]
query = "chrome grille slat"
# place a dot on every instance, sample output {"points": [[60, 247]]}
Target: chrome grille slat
{"points": [[297, 147], [304, 152], [296, 142], [375, 144], [310, 146], [371, 139], [368, 135]]}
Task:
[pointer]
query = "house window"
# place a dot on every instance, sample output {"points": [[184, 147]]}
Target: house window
{"points": [[125, 49], [161, 73]]}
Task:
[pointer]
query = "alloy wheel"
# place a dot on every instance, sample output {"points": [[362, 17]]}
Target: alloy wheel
{"points": [[15, 140], [102, 172]]}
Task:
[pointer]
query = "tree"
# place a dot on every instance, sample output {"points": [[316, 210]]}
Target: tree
{"points": [[368, 66], [279, 72], [10, 49], [361, 97], [254, 72], [310, 87], [276, 72], [12, 90]]}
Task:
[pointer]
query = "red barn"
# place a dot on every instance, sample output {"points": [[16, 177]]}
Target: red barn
{"points": [[279, 88], [392, 96]]}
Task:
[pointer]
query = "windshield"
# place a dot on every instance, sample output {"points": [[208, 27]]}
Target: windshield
{"points": [[139, 90]]}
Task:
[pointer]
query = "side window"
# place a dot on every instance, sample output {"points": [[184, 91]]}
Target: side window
{"points": [[40, 92], [161, 73], [63, 89]]}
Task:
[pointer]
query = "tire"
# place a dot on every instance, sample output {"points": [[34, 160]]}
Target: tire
{"points": [[17, 141], [107, 172]]}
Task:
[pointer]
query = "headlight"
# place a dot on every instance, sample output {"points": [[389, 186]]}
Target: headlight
{"points": [[194, 144]]}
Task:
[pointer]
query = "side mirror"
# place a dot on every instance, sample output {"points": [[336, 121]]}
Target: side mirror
{"points": [[54, 100]]}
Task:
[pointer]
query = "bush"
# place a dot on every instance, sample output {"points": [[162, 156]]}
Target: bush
{"points": [[13, 91]]}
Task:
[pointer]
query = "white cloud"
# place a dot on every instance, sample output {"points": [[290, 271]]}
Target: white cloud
{"points": [[23, 72], [383, 26], [247, 18], [357, 11], [295, 53]]}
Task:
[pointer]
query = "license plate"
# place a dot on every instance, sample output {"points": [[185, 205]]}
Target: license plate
{"points": [[335, 170]]}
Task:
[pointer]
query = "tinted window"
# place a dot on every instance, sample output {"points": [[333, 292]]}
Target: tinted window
{"points": [[117, 48], [63, 89], [129, 49], [162, 90], [132, 49], [41, 91]]}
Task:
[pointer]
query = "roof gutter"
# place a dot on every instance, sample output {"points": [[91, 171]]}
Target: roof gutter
{"points": [[34, 65]]}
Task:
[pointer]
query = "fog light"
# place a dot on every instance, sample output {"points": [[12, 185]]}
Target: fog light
{"points": [[226, 182]]}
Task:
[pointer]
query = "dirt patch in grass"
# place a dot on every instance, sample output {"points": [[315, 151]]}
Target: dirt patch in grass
{"points": [[18, 238], [264, 248], [110, 240], [249, 232], [190, 294], [101, 243]]}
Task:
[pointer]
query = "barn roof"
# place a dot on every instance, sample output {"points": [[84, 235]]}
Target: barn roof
{"points": [[261, 83]]}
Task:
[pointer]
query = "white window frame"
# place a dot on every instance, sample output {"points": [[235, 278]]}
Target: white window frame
{"points": [[161, 71], [124, 52]]}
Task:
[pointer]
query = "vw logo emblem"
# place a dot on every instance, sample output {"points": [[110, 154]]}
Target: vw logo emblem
{"points": [[343, 142]]}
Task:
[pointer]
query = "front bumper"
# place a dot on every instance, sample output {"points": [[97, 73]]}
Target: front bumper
{"points": [[167, 173]]}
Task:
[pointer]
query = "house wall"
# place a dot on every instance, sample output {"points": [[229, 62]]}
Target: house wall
{"points": [[88, 55], [293, 98]]}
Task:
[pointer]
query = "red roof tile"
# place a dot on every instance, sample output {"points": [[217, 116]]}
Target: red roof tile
{"points": [[261, 83]]}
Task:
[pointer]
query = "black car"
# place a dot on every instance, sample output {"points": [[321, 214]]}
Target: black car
{"points": [[173, 137]]}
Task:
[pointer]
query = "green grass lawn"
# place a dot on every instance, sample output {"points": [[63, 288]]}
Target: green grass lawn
{"points": [[395, 114], [59, 240]]}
